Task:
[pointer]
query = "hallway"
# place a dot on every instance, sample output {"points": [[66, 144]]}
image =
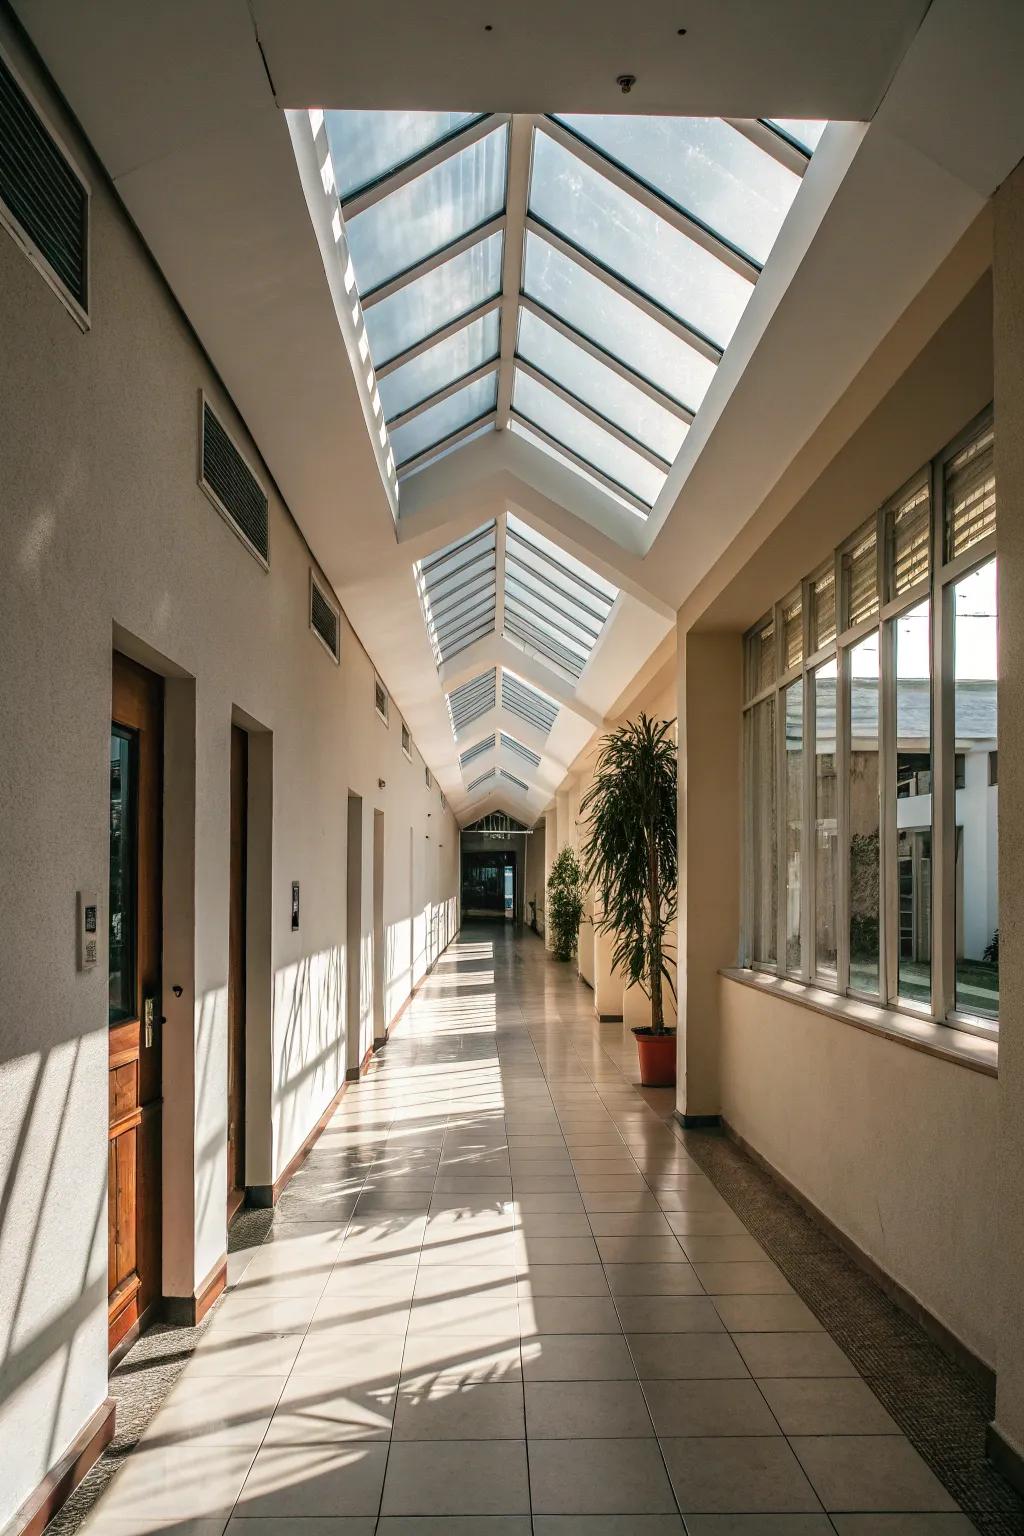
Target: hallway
{"points": [[500, 1288]]}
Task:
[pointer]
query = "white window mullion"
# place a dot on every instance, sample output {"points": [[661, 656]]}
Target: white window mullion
{"points": [[943, 975]]}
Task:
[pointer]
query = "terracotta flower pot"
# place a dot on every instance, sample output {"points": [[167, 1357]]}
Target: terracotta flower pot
{"points": [[657, 1059]]}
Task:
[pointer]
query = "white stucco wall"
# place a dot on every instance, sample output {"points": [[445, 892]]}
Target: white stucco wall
{"points": [[897, 1148], [104, 525]]}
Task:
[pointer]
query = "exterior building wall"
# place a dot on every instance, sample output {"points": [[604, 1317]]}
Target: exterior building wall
{"points": [[110, 543]]}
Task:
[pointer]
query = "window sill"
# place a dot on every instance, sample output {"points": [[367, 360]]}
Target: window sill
{"points": [[941, 1040]]}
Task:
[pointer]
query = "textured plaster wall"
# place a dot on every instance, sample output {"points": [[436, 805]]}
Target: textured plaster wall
{"points": [[897, 1148], [1008, 272], [104, 526]]}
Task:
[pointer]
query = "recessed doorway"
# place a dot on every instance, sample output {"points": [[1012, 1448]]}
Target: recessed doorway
{"points": [[237, 961]]}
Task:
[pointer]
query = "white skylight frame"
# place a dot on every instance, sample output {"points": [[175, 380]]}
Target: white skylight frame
{"points": [[486, 386]]}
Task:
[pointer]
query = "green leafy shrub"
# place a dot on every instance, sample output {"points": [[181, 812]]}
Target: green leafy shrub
{"points": [[565, 904]]}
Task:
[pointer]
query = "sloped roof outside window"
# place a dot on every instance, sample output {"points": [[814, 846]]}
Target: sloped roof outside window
{"points": [[623, 273], [457, 588]]}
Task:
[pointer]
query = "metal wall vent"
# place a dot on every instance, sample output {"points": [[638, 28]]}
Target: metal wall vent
{"points": [[429, 780], [43, 201], [324, 617], [406, 741], [380, 699], [233, 488]]}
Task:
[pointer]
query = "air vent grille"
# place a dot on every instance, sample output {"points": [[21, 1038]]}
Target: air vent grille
{"points": [[380, 699], [323, 617], [233, 488], [42, 194], [406, 740]]}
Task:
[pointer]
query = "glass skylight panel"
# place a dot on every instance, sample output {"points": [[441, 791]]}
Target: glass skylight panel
{"points": [[426, 214], [513, 780], [472, 699], [439, 421], [520, 429], [434, 300], [442, 453], [584, 437], [510, 744], [532, 706], [483, 778], [479, 750], [599, 387], [440, 365], [613, 323], [553, 602], [703, 166], [368, 145], [632, 241], [458, 592], [805, 131]]}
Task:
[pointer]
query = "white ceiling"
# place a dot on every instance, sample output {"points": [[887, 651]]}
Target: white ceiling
{"points": [[178, 102]]}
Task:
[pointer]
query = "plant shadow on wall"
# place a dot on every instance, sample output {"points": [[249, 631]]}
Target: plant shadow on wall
{"points": [[630, 863], [565, 904]]}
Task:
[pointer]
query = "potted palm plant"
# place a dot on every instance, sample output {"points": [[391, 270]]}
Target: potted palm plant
{"points": [[630, 862], [565, 904]]}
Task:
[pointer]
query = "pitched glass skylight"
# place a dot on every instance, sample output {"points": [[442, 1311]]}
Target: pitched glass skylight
{"points": [[429, 213], [458, 592], [510, 744], [483, 778], [532, 706], [472, 699], [519, 783], [629, 258], [554, 605], [479, 749]]}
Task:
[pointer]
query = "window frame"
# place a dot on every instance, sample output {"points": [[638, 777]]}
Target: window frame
{"points": [[938, 590]]}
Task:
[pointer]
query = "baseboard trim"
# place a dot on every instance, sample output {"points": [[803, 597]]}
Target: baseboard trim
{"points": [[696, 1122], [187, 1311], [65, 1475], [944, 1337], [1005, 1457]]}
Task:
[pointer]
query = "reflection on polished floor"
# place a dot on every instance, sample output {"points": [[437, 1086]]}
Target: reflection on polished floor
{"points": [[500, 1297]]}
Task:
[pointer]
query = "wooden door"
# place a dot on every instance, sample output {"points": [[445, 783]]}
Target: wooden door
{"points": [[135, 943], [236, 968]]}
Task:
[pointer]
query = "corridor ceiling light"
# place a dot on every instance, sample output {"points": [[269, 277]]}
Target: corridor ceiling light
{"points": [[621, 261]]}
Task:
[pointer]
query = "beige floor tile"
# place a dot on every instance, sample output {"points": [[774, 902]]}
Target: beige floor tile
{"points": [[381, 1280], [719, 1250], [629, 1224], [758, 1525], [316, 1525], [668, 1314], [461, 1357], [903, 1525], [699, 1223], [457, 1477], [453, 1525], [870, 1472], [758, 1277], [463, 1314], [360, 1313], [498, 1281], [569, 1314], [449, 1410], [99, 1523], [261, 1314], [607, 1476], [314, 1410], [177, 1482], [359, 1363], [314, 1480], [793, 1354], [654, 1279], [585, 1410], [620, 1200], [842, 1405], [737, 1475], [640, 1250], [215, 1410], [766, 1314], [709, 1408], [577, 1357], [555, 1250], [244, 1354], [563, 1280], [685, 1356], [607, 1525]]}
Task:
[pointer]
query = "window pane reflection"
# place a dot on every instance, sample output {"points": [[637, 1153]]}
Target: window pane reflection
{"points": [[914, 802], [977, 797], [864, 817], [794, 820], [825, 821]]}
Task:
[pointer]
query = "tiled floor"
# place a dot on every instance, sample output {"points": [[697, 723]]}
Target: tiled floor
{"points": [[501, 1297]]}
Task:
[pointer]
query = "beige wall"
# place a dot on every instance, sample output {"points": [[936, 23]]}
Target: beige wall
{"points": [[105, 528], [897, 1148], [1009, 410]]}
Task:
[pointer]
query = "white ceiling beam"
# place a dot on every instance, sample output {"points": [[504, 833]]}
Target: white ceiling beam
{"points": [[650, 307], [402, 280], [583, 465], [442, 447], [607, 359], [670, 213], [497, 651], [775, 144], [436, 155], [520, 157], [436, 337], [596, 417], [483, 372]]}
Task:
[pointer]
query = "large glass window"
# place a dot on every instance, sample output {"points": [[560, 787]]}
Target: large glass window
{"points": [[794, 822], [826, 822], [763, 882], [865, 817], [872, 827], [913, 804], [977, 799]]}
